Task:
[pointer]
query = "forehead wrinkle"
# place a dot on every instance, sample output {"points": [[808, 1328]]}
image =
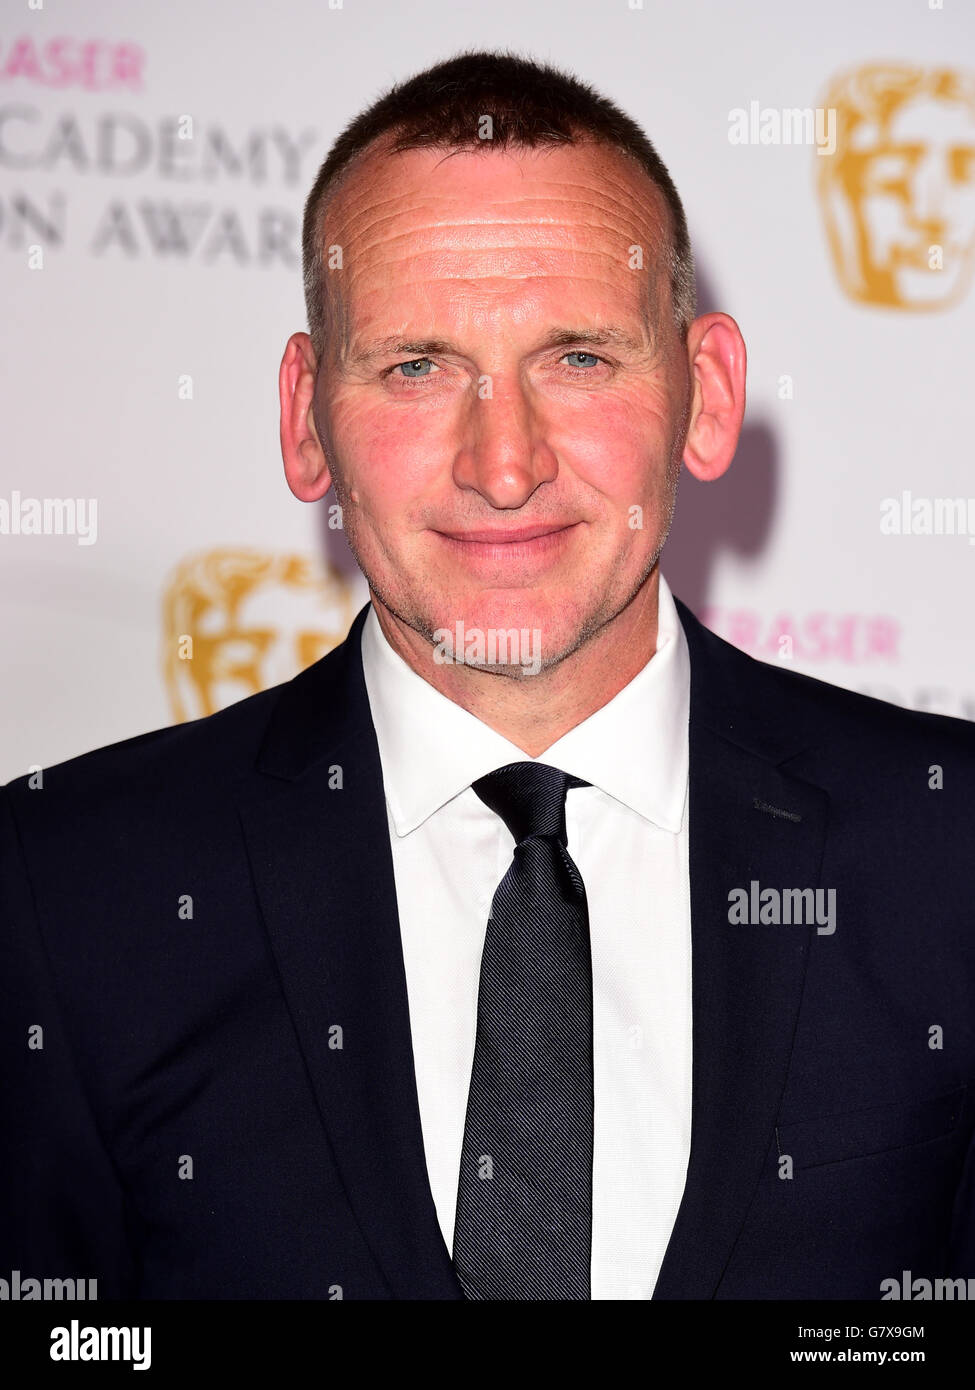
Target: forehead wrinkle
{"points": [[646, 201], [435, 261], [596, 281], [623, 177], [438, 233], [617, 226], [426, 268], [507, 280], [599, 333]]}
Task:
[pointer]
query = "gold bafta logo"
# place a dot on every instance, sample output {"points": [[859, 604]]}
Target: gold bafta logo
{"points": [[898, 195], [239, 621]]}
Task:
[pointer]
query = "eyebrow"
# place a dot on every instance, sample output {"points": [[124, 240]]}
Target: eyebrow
{"points": [[609, 335]]}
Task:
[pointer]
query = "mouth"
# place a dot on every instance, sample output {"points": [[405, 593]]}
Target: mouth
{"points": [[504, 535], [503, 545]]}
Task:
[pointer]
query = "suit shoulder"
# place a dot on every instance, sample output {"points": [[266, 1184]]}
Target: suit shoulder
{"points": [[774, 702], [866, 717], [179, 764]]}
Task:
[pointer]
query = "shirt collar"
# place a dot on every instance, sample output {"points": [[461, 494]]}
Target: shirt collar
{"points": [[634, 748]]}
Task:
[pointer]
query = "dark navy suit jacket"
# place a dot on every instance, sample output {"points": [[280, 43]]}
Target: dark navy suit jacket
{"points": [[192, 1129]]}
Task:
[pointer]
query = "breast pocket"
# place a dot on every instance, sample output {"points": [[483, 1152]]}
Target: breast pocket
{"points": [[877, 1129]]}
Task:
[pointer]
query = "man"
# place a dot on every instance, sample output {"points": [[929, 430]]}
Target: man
{"points": [[535, 943]]}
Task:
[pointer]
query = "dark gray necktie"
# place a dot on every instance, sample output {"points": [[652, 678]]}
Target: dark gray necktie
{"points": [[523, 1227]]}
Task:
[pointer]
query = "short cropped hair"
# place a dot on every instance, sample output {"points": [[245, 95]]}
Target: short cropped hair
{"points": [[531, 105]]}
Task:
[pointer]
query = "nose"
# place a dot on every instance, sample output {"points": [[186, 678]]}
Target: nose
{"points": [[504, 454]]}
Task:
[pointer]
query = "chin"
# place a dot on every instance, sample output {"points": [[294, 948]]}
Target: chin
{"points": [[508, 608], [545, 630]]}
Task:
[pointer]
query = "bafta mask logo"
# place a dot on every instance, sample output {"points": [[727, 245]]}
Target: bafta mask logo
{"points": [[898, 196], [238, 621]]}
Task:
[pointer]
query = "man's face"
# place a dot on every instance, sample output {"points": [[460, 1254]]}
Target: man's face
{"points": [[480, 425]]}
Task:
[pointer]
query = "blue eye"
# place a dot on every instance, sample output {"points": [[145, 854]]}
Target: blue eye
{"points": [[591, 355], [417, 362]]}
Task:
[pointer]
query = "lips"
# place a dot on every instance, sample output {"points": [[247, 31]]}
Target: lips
{"points": [[508, 536]]}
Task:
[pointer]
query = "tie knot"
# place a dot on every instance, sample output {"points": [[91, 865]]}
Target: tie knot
{"points": [[529, 798]]}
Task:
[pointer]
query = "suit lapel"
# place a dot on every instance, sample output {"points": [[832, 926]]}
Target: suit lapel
{"points": [[749, 820], [318, 845]]}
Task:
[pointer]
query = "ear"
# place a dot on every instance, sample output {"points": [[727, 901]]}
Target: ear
{"points": [[305, 465], [716, 353]]}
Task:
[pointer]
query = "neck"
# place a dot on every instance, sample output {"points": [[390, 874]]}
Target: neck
{"points": [[534, 711]]}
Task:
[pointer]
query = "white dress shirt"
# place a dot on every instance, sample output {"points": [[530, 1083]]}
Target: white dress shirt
{"points": [[628, 835]]}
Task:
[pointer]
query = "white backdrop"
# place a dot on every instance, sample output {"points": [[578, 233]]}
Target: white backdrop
{"points": [[149, 285]]}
